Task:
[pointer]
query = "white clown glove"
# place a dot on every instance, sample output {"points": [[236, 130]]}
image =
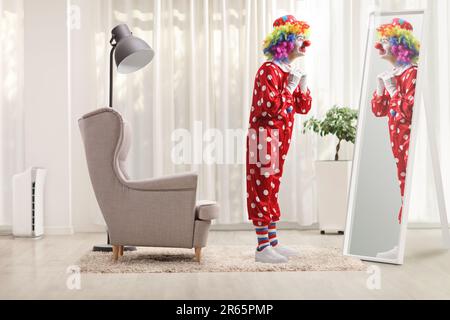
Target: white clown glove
{"points": [[304, 84], [390, 83], [380, 84], [294, 79]]}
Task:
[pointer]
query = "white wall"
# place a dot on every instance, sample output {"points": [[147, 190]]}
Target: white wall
{"points": [[46, 97]]}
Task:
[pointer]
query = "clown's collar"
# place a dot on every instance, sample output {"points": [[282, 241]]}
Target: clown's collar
{"points": [[400, 69], [286, 67]]}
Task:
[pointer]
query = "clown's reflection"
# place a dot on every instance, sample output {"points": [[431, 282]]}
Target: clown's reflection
{"points": [[394, 96]]}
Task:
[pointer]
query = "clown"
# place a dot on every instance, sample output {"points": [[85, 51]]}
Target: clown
{"points": [[280, 91], [394, 97]]}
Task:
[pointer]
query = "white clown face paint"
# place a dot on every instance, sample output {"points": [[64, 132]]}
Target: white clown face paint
{"points": [[384, 50]]}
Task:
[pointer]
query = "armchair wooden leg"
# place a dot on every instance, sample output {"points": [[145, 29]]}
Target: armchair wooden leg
{"points": [[121, 251], [115, 253], [198, 254]]}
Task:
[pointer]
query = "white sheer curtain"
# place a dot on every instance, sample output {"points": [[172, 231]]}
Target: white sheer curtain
{"points": [[207, 54], [11, 101], [437, 79], [202, 77]]}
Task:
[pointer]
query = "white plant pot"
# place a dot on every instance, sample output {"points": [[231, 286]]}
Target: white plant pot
{"points": [[333, 181]]}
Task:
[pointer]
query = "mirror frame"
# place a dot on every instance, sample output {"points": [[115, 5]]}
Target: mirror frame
{"points": [[359, 140]]}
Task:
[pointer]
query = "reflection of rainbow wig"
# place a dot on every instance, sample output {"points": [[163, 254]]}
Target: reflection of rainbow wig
{"points": [[281, 42], [404, 45]]}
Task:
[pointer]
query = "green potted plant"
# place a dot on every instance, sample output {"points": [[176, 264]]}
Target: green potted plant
{"points": [[333, 177], [340, 122]]}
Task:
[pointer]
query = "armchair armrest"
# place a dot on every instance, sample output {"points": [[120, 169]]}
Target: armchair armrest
{"points": [[207, 210], [185, 181]]}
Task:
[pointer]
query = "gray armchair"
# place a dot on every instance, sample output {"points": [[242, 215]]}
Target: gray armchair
{"points": [[159, 212]]}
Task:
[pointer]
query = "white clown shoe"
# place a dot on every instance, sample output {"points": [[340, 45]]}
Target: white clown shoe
{"points": [[389, 255], [285, 251], [269, 255]]}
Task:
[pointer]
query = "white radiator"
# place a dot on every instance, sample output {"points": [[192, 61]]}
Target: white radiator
{"points": [[28, 203]]}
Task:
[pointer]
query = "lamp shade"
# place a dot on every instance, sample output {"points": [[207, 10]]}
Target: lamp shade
{"points": [[132, 53]]}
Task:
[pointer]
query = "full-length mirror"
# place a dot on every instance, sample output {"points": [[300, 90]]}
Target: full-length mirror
{"points": [[385, 131]]}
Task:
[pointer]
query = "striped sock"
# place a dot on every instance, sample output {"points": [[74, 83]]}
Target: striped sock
{"points": [[263, 237], [273, 234]]}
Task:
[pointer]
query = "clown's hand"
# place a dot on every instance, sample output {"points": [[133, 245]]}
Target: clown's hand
{"points": [[390, 83], [304, 84], [294, 79], [380, 84]]}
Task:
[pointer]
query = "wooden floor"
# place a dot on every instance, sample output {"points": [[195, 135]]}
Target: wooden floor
{"points": [[37, 270]]}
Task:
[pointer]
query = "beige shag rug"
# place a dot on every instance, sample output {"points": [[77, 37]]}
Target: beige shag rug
{"points": [[216, 259]]}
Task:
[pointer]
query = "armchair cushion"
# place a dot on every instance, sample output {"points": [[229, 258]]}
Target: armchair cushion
{"points": [[124, 150], [186, 181]]}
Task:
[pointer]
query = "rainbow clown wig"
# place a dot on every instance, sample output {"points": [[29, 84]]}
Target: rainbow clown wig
{"points": [[404, 45], [281, 42]]}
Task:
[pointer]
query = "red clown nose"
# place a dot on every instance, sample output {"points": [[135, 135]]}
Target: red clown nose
{"points": [[306, 44], [379, 46]]}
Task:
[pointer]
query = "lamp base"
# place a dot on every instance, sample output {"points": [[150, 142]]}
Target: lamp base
{"points": [[109, 248]]}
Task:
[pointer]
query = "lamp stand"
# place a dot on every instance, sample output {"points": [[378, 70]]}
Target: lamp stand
{"points": [[111, 72], [108, 247]]}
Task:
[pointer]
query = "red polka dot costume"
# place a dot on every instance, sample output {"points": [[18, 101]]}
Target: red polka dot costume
{"points": [[399, 110], [269, 139]]}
